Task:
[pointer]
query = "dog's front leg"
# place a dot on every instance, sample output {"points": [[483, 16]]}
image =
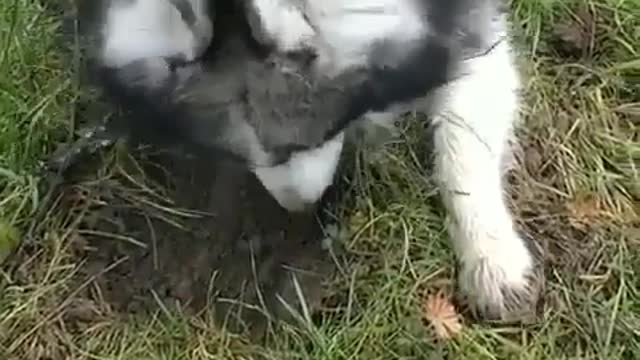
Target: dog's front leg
{"points": [[472, 132]]}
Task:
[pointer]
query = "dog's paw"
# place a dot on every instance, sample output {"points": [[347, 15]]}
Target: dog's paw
{"points": [[501, 285]]}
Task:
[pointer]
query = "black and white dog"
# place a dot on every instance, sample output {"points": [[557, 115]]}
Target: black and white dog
{"points": [[289, 77]]}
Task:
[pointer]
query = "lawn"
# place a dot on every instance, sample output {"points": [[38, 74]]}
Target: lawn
{"points": [[577, 194]]}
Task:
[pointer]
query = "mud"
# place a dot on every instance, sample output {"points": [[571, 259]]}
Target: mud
{"points": [[196, 233]]}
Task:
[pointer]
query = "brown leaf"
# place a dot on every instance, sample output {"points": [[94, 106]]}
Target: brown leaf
{"points": [[439, 312]]}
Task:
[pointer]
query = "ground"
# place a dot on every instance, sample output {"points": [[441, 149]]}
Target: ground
{"points": [[112, 265]]}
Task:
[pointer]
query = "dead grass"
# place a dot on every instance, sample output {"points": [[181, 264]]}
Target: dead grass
{"points": [[577, 195]]}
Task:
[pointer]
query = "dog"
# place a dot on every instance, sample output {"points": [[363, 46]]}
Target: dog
{"points": [[289, 78]]}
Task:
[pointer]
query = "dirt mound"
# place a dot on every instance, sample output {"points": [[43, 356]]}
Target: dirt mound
{"points": [[176, 229]]}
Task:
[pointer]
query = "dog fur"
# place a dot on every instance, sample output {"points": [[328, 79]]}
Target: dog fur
{"points": [[289, 77]]}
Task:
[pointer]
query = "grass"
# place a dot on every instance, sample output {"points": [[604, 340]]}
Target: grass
{"points": [[578, 195]]}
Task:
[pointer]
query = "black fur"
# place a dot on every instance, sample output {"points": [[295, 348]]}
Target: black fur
{"points": [[239, 84], [426, 68]]}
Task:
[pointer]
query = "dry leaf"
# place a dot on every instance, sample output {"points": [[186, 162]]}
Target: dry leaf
{"points": [[440, 313]]}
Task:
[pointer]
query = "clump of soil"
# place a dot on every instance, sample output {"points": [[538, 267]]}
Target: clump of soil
{"points": [[198, 232]]}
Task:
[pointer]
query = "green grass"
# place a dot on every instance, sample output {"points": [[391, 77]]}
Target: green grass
{"points": [[578, 195]]}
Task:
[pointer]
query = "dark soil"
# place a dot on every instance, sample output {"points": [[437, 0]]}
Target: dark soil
{"points": [[236, 251]]}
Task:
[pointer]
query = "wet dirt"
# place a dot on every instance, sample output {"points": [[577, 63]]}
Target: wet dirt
{"points": [[174, 230]]}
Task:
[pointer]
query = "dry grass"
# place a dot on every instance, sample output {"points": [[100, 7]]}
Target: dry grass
{"points": [[578, 195]]}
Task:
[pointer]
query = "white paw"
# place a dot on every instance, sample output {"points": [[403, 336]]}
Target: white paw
{"points": [[500, 284], [150, 28], [300, 182]]}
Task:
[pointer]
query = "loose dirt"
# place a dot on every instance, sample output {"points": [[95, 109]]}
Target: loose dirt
{"points": [[171, 229]]}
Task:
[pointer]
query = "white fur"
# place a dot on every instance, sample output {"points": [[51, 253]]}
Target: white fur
{"points": [[349, 27], [345, 31], [302, 180], [341, 31], [474, 122], [284, 24], [152, 28], [473, 128]]}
